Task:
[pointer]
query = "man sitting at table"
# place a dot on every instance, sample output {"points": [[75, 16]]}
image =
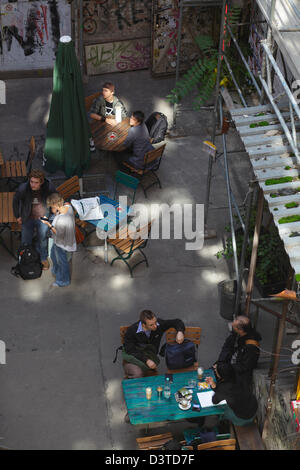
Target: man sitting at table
{"points": [[142, 340], [137, 142], [104, 107], [29, 204]]}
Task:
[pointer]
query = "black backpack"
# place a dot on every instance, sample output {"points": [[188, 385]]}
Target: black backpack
{"points": [[29, 263], [157, 127], [179, 356]]}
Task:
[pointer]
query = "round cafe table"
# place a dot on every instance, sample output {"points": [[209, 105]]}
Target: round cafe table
{"points": [[108, 137]]}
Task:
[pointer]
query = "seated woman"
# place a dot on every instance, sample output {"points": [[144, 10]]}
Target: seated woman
{"points": [[64, 241], [242, 404]]}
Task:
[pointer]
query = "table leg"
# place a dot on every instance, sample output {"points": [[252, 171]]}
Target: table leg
{"points": [[105, 249]]}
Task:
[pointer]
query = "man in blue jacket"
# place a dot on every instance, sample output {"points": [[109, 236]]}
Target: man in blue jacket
{"points": [[29, 204]]}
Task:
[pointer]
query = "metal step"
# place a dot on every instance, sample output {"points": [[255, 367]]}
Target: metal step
{"points": [[270, 156]]}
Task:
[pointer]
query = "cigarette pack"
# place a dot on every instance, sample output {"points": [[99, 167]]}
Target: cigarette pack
{"points": [[295, 406]]}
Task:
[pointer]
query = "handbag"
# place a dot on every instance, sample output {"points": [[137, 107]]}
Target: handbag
{"points": [[79, 235]]}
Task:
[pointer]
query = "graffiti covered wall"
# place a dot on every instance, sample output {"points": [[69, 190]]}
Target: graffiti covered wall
{"points": [[116, 20], [30, 32], [118, 56]]}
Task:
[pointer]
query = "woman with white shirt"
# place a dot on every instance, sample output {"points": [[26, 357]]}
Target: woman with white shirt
{"points": [[64, 241]]}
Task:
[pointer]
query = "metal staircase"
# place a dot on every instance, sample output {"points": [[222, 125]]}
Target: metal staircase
{"points": [[272, 157]]}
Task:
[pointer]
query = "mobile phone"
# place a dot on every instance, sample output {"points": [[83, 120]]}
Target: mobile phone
{"points": [[44, 218], [170, 377], [196, 407]]}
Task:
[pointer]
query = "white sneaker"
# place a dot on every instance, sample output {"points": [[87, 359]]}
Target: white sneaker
{"points": [[92, 145]]}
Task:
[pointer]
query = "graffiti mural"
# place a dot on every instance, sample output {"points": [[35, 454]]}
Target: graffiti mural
{"points": [[30, 32], [118, 56], [115, 20]]}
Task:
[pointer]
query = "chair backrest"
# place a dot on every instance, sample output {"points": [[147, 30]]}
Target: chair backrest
{"points": [[88, 100], [69, 188], [225, 444], [1, 159], [128, 181], [153, 442], [193, 333], [123, 330], [153, 155], [31, 155]]}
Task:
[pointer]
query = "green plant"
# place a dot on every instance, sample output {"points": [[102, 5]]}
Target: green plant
{"points": [[291, 205], [289, 219], [270, 252], [284, 179], [202, 75], [287, 167]]}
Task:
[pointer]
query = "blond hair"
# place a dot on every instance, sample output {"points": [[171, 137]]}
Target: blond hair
{"points": [[55, 199]]}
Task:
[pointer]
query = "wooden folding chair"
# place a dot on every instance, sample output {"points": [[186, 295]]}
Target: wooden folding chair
{"points": [[88, 100], [153, 159], [69, 188], [192, 333], [153, 442], [126, 246], [224, 444]]}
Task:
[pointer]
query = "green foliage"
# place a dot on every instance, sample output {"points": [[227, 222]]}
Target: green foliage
{"points": [[284, 179], [202, 75], [288, 219], [270, 253], [291, 205]]}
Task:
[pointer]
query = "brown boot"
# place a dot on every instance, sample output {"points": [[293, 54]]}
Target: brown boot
{"points": [[45, 265]]}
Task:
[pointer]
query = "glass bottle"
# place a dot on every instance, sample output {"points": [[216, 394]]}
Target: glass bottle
{"points": [[167, 388]]}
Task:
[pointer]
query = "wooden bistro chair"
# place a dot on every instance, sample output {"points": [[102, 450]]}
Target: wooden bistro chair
{"points": [[126, 246], [224, 444], [193, 333], [17, 170], [123, 330], [153, 442], [88, 101], [69, 188], [152, 158]]}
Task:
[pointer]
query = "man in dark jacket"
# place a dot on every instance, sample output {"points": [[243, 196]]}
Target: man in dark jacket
{"points": [[137, 142], [241, 402], [29, 204], [244, 342], [142, 341]]}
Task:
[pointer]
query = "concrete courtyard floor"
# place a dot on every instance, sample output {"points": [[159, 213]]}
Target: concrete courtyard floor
{"points": [[59, 387]]}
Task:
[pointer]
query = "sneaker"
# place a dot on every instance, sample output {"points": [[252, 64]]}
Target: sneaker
{"points": [[55, 284], [92, 145], [46, 265]]}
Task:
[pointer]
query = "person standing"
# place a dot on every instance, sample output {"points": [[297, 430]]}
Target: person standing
{"points": [[64, 240], [29, 204]]}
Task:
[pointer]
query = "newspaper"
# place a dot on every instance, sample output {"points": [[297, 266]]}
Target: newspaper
{"points": [[88, 208]]}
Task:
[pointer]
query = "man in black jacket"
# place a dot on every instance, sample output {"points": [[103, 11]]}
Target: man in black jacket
{"points": [[29, 204], [142, 341], [244, 342]]}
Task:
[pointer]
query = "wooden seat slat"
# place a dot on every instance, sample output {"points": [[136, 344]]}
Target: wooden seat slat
{"points": [[7, 170], [18, 168], [13, 169], [5, 208], [1, 208], [10, 207], [23, 168]]}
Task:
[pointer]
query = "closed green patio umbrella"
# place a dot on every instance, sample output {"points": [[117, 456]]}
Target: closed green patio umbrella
{"points": [[67, 140]]}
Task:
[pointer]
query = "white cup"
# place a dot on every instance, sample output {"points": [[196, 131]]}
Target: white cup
{"points": [[148, 393]]}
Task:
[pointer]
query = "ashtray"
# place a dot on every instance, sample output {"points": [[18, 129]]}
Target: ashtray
{"points": [[112, 136]]}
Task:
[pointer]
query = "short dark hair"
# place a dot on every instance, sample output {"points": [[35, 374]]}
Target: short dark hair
{"points": [[139, 116], [38, 174], [109, 85], [146, 315], [244, 323]]}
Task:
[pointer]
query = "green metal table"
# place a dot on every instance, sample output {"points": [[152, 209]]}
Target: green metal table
{"points": [[156, 410]]}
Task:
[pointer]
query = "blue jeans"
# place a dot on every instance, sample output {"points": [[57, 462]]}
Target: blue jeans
{"points": [[61, 268], [42, 230]]}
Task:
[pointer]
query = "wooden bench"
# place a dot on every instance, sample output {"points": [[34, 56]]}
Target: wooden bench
{"points": [[153, 442], [192, 333], [125, 246], [152, 158], [7, 219], [248, 437]]}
